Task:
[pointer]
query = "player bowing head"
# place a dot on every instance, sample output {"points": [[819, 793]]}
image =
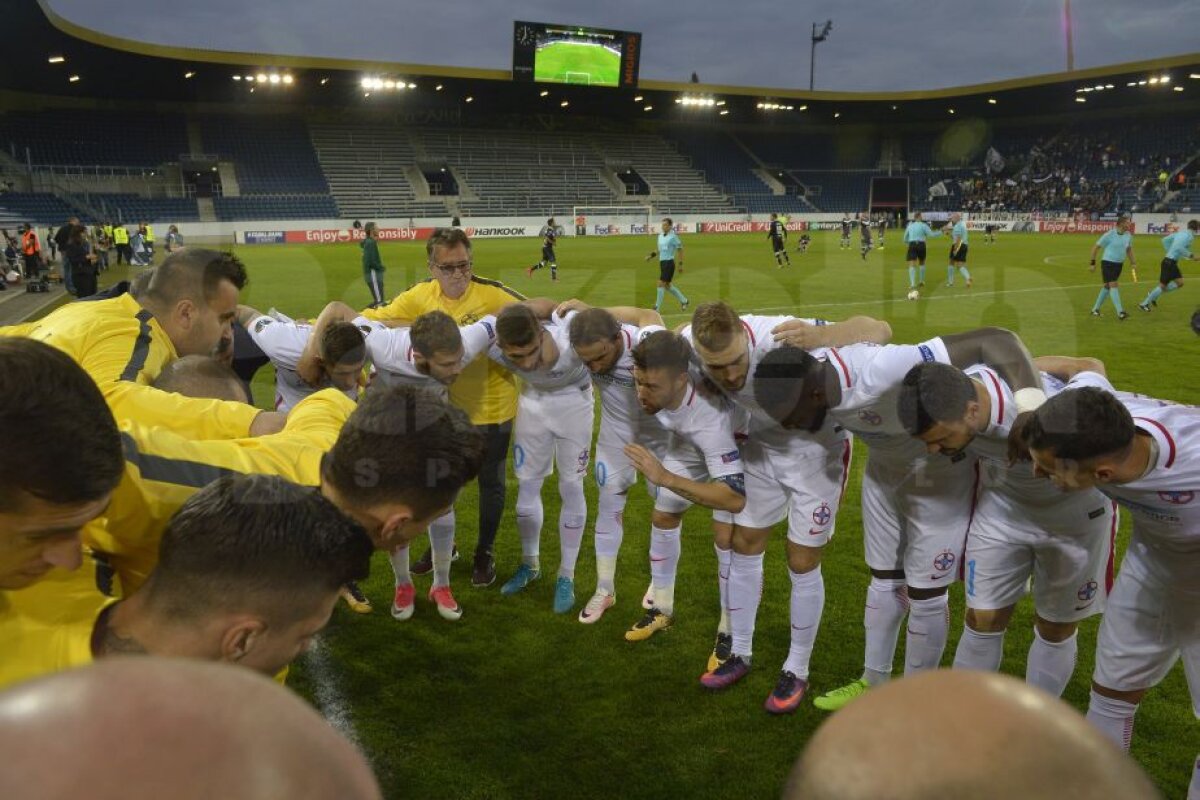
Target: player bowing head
{"points": [[721, 344], [249, 571], [342, 354], [939, 405], [522, 338], [194, 295], [792, 386], [661, 370], [61, 460], [400, 462], [1081, 438], [595, 337], [437, 347]]}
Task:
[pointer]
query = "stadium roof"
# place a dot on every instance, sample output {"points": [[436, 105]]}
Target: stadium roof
{"points": [[100, 67]]}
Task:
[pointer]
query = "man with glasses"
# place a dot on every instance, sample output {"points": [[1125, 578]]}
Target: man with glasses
{"points": [[485, 390]]}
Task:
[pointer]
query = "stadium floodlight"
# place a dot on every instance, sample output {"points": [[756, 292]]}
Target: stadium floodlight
{"points": [[647, 108], [237, 77], [365, 94], [324, 81], [289, 80], [437, 88], [991, 101], [720, 102], [1087, 89], [1153, 80], [543, 93], [805, 108], [1099, 87], [951, 110], [1132, 83], [470, 99], [1080, 99], [837, 114], [564, 103], [1165, 79], [56, 59], [73, 79], [1195, 76], [412, 86], [1179, 88], [365, 83], [817, 38], [389, 84], [261, 77], [638, 99], [274, 78], [724, 111], [188, 75], [1109, 86]]}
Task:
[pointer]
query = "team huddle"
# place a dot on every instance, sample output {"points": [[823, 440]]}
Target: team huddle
{"points": [[982, 465]]}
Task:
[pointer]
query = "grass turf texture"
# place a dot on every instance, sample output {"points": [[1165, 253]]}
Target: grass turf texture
{"points": [[553, 62], [514, 701]]}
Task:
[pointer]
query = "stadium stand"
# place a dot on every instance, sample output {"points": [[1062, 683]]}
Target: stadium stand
{"points": [[271, 154], [278, 206], [731, 168], [366, 166], [69, 136], [41, 209], [132, 207], [676, 187], [519, 172]]}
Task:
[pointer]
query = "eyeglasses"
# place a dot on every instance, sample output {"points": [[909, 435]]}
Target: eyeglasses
{"points": [[449, 269]]}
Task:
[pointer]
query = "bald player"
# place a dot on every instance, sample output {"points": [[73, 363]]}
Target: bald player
{"points": [[996, 738], [188, 731], [202, 376]]}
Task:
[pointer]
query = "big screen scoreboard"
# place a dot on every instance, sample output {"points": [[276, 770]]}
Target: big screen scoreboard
{"points": [[548, 53]]}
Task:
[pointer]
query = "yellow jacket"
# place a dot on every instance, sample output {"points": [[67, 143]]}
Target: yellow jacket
{"points": [[163, 469], [485, 390], [122, 346]]}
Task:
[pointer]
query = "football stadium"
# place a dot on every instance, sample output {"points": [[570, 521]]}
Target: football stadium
{"points": [[558, 431]]}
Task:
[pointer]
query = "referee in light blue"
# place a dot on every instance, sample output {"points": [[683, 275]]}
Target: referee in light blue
{"points": [[670, 255], [1178, 246], [958, 250], [1117, 243], [914, 236]]}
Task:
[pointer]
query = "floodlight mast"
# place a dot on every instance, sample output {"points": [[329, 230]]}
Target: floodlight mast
{"points": [[817, 38]]}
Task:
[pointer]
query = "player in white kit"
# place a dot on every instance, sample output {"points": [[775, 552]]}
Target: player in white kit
{"points": [[915, 506], [340, 353], [795, 475], [1145, 454], [603, 344], [1022, 527], [554, 427], [703, 464]]}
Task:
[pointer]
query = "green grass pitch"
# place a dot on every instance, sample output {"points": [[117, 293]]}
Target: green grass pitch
{"points": [[571, 62], [513, 701]]}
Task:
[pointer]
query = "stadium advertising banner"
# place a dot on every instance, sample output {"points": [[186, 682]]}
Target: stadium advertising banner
{"points": [[263, 237], [1075, 226], [330, 236], [746, 227]]}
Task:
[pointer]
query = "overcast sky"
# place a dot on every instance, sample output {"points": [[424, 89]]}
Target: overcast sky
{"points": [[876, 45]]}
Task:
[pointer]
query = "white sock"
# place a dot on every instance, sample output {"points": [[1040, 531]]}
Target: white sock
{"points": [[928, 628], [808, 602], [665, 547], [745, 593], [723, 557], [530, 516], [571, 520], [979, 650], [399, 559], [1051, 664], [609, 533], [441, 543], [1194, 786], [887, 603], [1113, 718]]}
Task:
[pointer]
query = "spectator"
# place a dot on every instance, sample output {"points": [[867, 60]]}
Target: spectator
{"points": [[79, 263]]}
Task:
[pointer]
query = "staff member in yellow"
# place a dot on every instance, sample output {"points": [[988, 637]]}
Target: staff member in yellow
{"points": [[148, 237], [249, 572], [187, 308], [487, 392], [120, 238]]}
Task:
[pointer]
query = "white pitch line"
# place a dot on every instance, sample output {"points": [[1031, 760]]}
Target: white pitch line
{"points": [[327, 691], [883, 300]]}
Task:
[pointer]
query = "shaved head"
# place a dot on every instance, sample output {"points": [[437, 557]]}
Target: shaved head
{"points": [[156, 727], [951, 734]]}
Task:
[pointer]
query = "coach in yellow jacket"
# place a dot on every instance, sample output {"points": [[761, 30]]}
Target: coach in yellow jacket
{"points": [[187, 308], [487, 392]]}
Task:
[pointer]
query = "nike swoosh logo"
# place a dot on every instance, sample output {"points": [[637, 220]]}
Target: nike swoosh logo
{"points": [[734, 609], [805, 628], [654, 560], [1082, 607], [817, 532]]}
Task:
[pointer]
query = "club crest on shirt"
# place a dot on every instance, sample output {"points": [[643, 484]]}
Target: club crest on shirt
{"points": [[1087, 592], [822, 514], [262, 323], [944, 561], [870, 417], [1178, 498]]}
